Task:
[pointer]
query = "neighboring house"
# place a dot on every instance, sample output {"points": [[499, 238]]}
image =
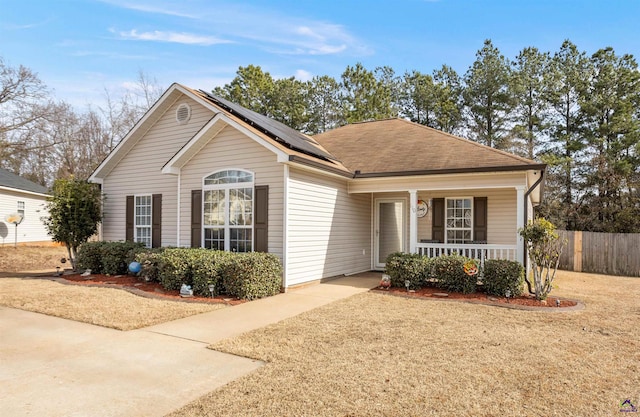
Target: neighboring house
{"points": [[200, 171], [21, 196]]}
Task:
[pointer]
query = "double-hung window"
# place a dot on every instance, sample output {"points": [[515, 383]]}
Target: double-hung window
{"points": [[228, 210], [142, 219], [21, 208], [459, 220]]}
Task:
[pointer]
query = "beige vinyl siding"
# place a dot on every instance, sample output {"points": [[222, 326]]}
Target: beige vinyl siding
{"points": [[501, 213], [328, 229], [231, 149], [138, 173], [445, 182], [32, 228]]}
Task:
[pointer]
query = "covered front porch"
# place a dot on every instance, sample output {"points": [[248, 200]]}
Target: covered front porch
{"points": [[476, 216]]}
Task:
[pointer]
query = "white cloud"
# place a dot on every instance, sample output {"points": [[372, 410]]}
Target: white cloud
{"points": [[265, 28], [303, 75], [172, 37]]}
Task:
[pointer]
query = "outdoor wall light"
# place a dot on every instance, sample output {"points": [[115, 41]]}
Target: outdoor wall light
{"points": [[212, 288]]}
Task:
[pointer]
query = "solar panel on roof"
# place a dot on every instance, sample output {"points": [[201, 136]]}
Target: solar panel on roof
{"points": [[276, 130]]}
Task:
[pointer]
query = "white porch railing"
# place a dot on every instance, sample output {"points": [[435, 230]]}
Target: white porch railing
{"points": [[480, 251]]}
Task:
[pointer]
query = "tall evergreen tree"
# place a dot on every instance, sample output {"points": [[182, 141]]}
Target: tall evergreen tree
{"points": [[530, 106], [418, 98], [251, 88], [366, 97], [566, 80], [288, 102], [609, 200], [486, 96], [448, 111], [324, 106]]}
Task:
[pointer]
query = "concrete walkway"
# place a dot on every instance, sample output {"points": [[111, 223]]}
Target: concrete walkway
{"points": [[57, 367]]}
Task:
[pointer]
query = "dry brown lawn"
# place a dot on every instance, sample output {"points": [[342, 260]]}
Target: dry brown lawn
{"points": [[106, 307], [380, 355], [31, 258]]}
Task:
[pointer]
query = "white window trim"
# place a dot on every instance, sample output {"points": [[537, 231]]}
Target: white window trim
{"points": [[227, 226], [135, 219], [21, 208], [446, 218]]}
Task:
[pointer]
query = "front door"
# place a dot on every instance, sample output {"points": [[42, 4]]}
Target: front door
{"points": [[389, 229]]}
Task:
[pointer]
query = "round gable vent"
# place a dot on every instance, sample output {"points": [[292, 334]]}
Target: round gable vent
{"points": [[183, 113]]}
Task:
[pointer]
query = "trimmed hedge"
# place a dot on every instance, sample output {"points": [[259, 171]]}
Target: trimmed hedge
{"points": [[252, 275], [110, 258], [150, 262], [174, 268], [207, 268], [406, 266], [450, 275], [501, 275], [242, 275]]}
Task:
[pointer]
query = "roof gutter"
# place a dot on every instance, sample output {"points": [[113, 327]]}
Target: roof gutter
{"points": [[540, 167]]}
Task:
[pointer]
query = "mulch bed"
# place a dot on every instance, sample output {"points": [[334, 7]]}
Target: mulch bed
{"points": [[524, 302], [144, 288]]}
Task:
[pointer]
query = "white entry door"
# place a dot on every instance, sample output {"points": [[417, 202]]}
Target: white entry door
{"points": [[389, 229]]}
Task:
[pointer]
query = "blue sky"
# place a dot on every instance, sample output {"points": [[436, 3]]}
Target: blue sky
{"points": [[79, 48]]}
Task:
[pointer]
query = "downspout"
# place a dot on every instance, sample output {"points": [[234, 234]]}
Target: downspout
{"points": [[178, 209], [526, 213]]}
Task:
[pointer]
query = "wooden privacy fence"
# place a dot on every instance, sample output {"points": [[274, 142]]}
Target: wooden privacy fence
{"points": [[601, 253]]}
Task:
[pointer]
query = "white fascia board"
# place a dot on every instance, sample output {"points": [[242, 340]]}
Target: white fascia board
{"points": [[18, 190]]}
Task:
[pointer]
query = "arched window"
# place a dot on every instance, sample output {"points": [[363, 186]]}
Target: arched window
{"points": [[228, 210]]}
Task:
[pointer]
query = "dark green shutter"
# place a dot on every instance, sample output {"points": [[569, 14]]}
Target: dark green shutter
{"points": [[196, 218], [480, 219], [261, 219], [437, 220], [156, 221], [129, 218]]}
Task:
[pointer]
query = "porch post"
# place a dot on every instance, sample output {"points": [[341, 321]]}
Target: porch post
{"points": [[520, 220], [413, 220]]}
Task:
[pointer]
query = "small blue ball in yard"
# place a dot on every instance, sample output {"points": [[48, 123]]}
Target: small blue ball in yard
{"points": [[135, 267]]}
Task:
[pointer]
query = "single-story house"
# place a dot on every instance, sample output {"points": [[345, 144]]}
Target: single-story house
{"points": [[200, 171], [19, 196]]}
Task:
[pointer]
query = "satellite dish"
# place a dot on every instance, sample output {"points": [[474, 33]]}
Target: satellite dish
{"points": [[14, 218]]}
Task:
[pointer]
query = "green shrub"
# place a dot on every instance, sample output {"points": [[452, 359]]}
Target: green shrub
{"points": [[111, 258], [174, 268], [90, 257], [406, 266], [252, 275], [450, 275], [150, 261], [206, 268], [501, 275], [116, 256]]}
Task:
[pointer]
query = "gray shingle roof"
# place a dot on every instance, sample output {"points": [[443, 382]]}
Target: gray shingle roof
{"points": [[11, 180]]}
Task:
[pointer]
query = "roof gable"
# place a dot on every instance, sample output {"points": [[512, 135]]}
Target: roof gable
{"points": [[11, 180], [137, 132], [398, 147]]}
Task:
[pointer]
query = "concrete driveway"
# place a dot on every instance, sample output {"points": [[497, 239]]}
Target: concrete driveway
{"points": [[57, 367]]}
